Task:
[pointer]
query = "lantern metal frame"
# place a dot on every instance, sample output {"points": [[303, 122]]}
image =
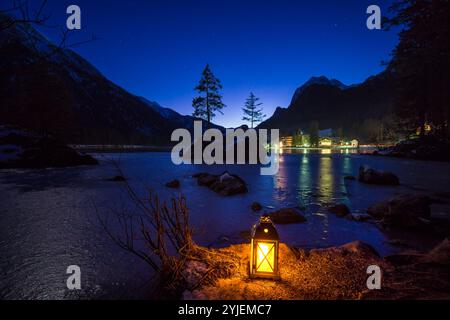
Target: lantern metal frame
{"points": [[264, 232]]}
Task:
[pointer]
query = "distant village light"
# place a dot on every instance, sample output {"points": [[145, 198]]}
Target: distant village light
{"points": [[326, 140], [264, 250]]}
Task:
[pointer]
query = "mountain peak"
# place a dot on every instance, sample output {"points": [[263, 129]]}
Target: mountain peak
{"points": [[325, 81], [321, 80], [334, 108]]}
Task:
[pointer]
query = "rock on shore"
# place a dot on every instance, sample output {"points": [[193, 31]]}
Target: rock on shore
{"points": [[429, 147], [23, 149], [403, 211], [415, 275]]}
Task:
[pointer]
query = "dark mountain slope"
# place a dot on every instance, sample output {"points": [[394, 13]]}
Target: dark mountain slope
{"points": [[56, 91], [335, 106]]}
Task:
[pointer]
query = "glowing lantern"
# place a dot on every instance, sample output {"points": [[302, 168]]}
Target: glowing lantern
{"points": [[264, 250]]}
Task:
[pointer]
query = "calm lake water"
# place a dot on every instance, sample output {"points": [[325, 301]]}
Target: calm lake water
{"points": [[48, 219]]}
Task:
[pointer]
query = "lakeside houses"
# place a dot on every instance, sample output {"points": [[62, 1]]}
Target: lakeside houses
{"points": [[326, 140]]}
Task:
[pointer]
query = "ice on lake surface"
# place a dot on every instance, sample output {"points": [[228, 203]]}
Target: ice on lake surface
{"points": [[48, 219]]}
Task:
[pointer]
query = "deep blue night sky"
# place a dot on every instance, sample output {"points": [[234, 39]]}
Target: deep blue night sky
{"points": [[158, 49]]}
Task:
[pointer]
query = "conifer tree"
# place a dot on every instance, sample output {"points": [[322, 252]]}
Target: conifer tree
{"points": [[252, 113], [209, 100], [420, 63]]}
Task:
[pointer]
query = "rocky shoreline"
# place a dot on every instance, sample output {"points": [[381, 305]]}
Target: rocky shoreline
{"points": [[337, 273], [341, 272], [429, 147]]}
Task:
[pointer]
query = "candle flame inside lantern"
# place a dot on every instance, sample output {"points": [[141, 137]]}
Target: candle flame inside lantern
{"points": [[265, 257]]}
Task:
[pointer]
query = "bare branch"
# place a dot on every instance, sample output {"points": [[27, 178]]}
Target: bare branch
{"points": [[19, 14], [166, 235]]}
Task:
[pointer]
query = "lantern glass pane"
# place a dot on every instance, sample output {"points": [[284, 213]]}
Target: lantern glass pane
{"points": [[265, 257]]}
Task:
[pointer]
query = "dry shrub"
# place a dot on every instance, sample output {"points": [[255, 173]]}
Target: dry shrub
{"points": [[159, 233]]}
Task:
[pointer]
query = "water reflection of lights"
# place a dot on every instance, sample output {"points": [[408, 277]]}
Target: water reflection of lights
{"points": [[305, 160], [347, 168], [280, 185], [326, 187], [305, 181], [325, 151], [325, 183], [316, 187]]}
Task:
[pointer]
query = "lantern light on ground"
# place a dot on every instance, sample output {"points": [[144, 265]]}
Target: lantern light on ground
{"points": [[264, 250]]}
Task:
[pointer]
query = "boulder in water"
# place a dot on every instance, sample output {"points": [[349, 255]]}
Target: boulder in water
{"points": [[371, 176], [256, 206], [287, 216], [359, 217], [340, 210], [225, 184], [403, 211]]}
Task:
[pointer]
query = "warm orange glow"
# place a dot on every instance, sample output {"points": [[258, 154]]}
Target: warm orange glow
{"points": [[264, 250], [265, 258]]}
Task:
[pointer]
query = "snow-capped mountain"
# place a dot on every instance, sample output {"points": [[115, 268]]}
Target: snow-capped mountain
{"points": [[56, 91]]}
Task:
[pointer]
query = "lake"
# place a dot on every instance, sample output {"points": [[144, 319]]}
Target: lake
{"points": [[48, 219]]}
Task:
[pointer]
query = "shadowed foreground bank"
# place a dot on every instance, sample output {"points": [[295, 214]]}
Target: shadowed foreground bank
{"points": [[188, 270], [329, 274]]}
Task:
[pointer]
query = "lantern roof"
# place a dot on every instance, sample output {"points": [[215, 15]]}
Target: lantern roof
{"points": [[265, 229]]}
